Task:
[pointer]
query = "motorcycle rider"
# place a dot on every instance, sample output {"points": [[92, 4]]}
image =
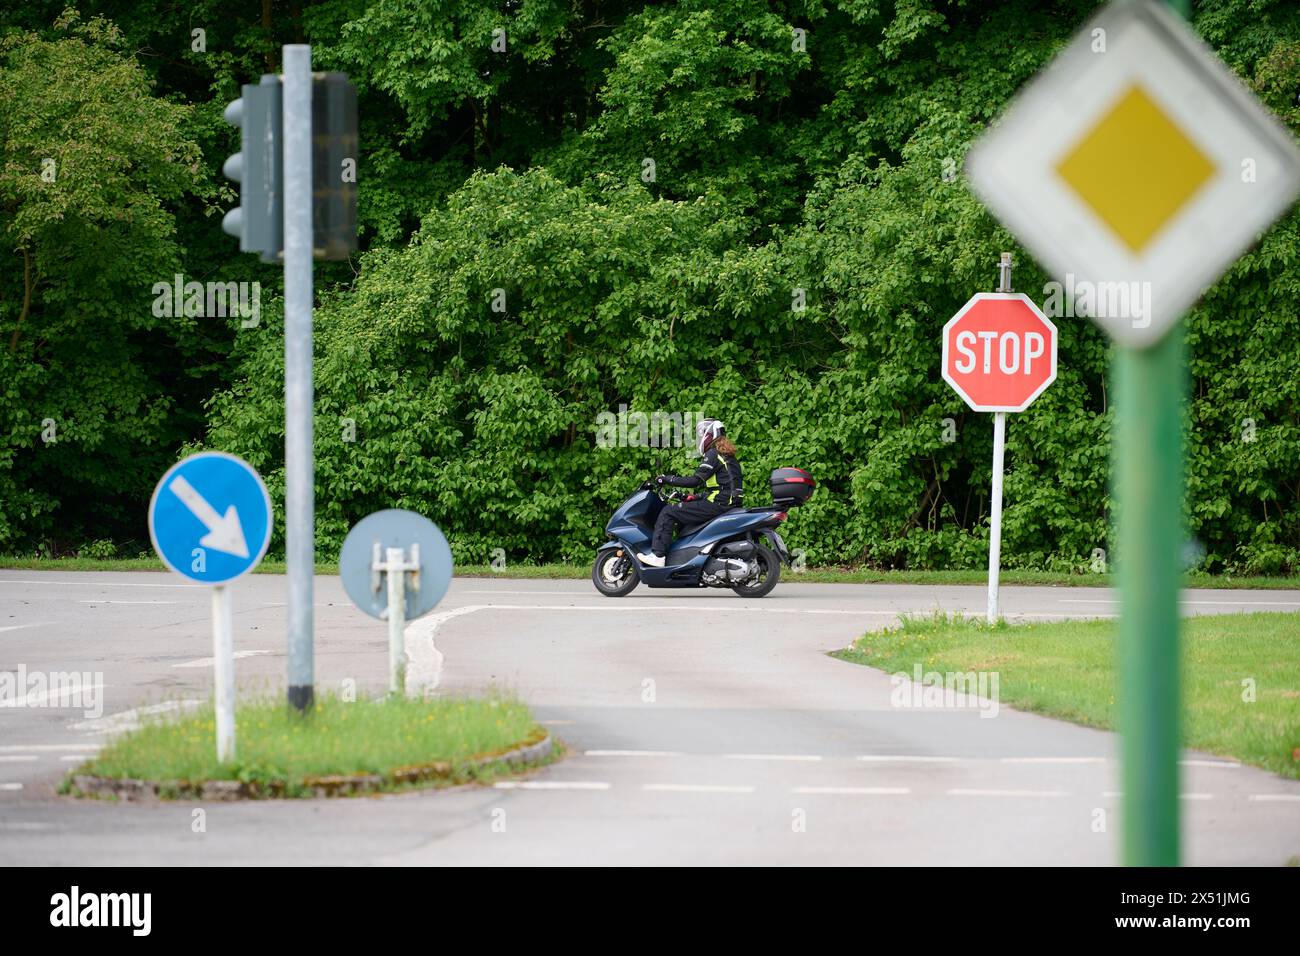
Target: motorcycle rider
{"points": [[719, 473]]}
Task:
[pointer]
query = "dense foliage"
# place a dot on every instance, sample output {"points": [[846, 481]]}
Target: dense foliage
{"points": [[747, 208]]}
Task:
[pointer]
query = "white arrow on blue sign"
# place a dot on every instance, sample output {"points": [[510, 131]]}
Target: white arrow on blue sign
{"points": [[210, 517]]}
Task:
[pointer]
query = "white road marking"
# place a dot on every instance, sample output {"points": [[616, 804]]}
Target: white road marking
{"points": [[11, 786], [970, 792], [1196, 796], [208, 661], [865, 791], [557, 723], [130, 719], [771, 757], [22, 825], [18, 758], [902, 758], [1198, 602], [551, 785], [105, 601], [74, 758], [695, 788], [1054, 760], [16, 627], [631, 753], [102, 584], [1225, 764], [1275, 797], [47, 748]]}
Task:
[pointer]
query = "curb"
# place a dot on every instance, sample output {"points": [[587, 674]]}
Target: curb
{"points": [[335, 785]]}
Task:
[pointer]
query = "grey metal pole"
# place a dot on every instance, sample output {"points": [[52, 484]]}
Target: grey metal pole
{"points": [[999, 451], [299, 478]]}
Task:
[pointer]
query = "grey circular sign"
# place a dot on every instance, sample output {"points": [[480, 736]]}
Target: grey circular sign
{"points": [[394, 528]]}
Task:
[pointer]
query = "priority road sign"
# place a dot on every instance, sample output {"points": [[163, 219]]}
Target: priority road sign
{"points": [[1136, 166], [999, 352], [210, 517]]}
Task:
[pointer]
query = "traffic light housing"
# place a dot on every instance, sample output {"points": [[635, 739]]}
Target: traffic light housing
{"points": [[258, 167], [334, 166], [258, 220]]}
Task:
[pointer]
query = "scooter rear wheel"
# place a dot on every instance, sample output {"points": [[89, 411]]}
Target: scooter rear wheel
{"points": [[769, 572], [614, 574]]}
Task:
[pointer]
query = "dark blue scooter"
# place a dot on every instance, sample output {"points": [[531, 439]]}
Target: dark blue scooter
{"points": [[740, 549]]}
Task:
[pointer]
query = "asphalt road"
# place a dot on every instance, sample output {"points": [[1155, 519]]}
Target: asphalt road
{"points": [[703, 729]]}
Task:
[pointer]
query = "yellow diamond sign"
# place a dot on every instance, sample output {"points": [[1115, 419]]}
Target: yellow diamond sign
{"points": [[1135, 169]]}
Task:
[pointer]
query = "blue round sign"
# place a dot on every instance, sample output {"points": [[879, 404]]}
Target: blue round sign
{"points": [[210, 517], [371, 537]]}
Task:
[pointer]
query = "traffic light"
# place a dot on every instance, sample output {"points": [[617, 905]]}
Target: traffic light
{"points": [[258, 220], [334, 166]]}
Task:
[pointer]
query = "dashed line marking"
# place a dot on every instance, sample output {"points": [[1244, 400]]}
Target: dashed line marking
{"points": [[696, 788], [11, 786], [47, 748], [904, 758], [864, 791], [551, 785], [1224, 764], [631, 753], [18, 758], [794, 757], [970, 792], [1275, 797], [1054, 760], [208, 661]]}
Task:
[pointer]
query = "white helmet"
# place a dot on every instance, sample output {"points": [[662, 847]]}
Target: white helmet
{"points": [[706, 432]]}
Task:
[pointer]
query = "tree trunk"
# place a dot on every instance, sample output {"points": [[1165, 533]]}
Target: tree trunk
{"points": [[27, 300]]}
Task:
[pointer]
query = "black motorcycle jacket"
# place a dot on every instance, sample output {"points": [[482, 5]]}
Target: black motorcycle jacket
{"points": [[720, 474]]}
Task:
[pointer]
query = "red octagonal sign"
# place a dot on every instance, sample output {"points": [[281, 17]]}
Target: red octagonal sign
{"points": [[999, 352]]}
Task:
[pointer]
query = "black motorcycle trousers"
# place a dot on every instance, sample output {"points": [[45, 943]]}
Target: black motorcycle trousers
{"points": [[688, 514]]}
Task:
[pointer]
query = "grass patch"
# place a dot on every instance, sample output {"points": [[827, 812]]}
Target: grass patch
{"points": [[825, 575], [1067, 669], [283, 754]]}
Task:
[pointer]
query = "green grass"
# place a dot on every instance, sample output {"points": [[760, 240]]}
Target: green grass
{"points": [[1067, 669], [280, 750], [826, 575]]}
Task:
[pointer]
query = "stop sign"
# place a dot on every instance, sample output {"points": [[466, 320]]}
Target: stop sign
{"points": [[999, 352]]}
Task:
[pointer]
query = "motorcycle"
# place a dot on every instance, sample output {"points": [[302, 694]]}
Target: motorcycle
{"points": [[740, 549]]}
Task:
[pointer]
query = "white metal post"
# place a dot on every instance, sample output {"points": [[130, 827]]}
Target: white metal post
{"points": [[999, 450], [995, 519], [299, 492], [223, 671], [396, 565]]}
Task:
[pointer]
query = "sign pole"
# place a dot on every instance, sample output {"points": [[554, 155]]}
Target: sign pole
{"points": [[999, 452], [1148, 484], [299, 504], [223, 671], [396, 566], [995, 519], [1150, 386]]}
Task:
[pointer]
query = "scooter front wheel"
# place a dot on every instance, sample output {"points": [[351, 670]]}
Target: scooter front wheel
{"points": [[615, 573]]}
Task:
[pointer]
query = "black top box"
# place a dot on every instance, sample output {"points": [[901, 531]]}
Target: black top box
{"points": [[791, 486]]}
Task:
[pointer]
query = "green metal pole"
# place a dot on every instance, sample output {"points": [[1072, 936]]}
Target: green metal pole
{"points": [[1147, 475], [1150, 386]]}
